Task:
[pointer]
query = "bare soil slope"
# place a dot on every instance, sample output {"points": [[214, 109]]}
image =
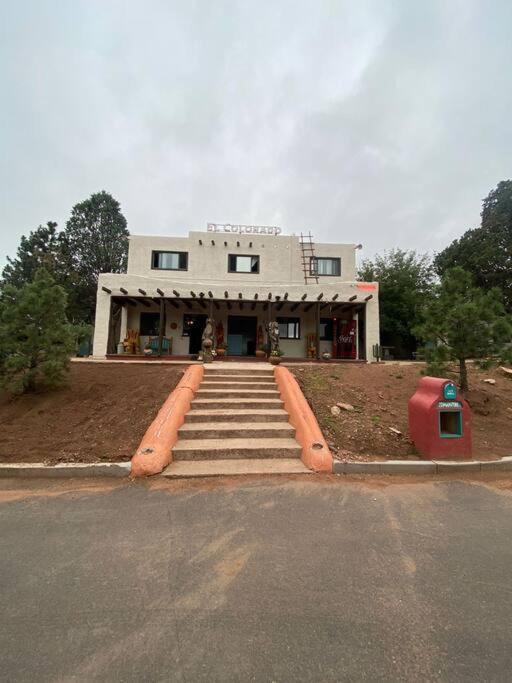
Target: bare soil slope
{"points": [[100, 416], [379, 394]]}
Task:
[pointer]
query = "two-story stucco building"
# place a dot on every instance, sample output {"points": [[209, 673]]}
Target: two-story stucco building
{"points": [[242, 277]]}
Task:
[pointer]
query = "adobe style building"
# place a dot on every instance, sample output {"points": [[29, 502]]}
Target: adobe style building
{"points": [[242, 277]]}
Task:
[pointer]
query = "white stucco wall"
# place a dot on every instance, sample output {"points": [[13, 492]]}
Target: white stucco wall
{"points": [[280, 257]]}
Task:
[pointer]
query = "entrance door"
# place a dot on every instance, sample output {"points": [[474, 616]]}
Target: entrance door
{"points": [[193, 326], [242, 335]]}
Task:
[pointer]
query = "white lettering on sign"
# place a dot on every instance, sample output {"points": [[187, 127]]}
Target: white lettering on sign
{"points": [[244, 229], [449, 404]]}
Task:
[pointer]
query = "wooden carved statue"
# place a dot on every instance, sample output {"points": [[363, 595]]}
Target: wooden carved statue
{"points": [[208, 342], [273, 336]]}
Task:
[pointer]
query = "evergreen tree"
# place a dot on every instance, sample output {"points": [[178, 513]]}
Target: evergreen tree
{"points": [[405, 279], [486, 252], [463, 322], [41, 249], [35, 338], [96, 241]]}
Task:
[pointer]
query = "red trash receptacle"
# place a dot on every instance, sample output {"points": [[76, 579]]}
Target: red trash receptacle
{"points": [[440, 420]]}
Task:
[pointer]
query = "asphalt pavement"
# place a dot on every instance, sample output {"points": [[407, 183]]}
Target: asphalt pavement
{"points": [[282, 579]]}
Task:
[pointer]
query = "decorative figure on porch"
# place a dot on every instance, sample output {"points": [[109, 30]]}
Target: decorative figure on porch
{"points": [[273, 336], [221, 345], [208, 343]]}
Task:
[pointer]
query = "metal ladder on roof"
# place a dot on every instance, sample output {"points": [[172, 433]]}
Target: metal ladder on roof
{"points": [[308, 255]]}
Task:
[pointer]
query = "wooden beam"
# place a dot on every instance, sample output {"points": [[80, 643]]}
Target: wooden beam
{"points": [[353, 298], [107, 290], [285, 297], [123, 290], [335, 297], [160, 292], [367, 298], [201, 294], [192, 294], [161, 325], [304, 297], [142, 291], [175, 292], [256, 296], [320, 296], [240, 295], [226, 295], [210, 294], [269, 296], [317, 320]]}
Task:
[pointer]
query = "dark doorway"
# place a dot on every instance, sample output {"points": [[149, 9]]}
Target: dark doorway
{"points": [[242, 335], [193, 326]]}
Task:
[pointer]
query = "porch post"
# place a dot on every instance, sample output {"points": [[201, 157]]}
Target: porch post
{"points": [[124, 323], [161, 326], [356, 318], [317, 326]]}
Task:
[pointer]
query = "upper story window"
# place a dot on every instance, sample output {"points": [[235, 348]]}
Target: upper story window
{"points": [[289, 328], [169, 260], [319, 265], [243, 264]]}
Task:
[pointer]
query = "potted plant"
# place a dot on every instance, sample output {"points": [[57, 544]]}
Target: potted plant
{"points": [[275, 356], [221, 349], [260, 351]]}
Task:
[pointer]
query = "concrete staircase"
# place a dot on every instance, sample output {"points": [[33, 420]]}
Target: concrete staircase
{"points": [[236, 424]]}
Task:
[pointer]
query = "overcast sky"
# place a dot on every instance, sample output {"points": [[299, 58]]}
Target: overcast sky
{"points": [[378, 122]]}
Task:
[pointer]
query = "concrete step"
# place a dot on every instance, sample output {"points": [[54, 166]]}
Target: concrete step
{"points": [[237, 415], [207, 384], [237, 393], [241, 430], [259, 372], [235, 403], [228, 377], [228, 449], [215, 468]]}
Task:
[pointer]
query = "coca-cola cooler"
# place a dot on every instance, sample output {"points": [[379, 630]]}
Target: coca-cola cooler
{"points": [[344, 343]]}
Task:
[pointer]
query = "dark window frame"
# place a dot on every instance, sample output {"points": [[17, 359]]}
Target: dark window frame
{"points": [[167, 251], [155, 328], [244, 272], [314, 259], [286, 320], [327, 322]]}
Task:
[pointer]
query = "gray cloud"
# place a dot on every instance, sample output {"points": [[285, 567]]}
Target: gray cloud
{"points": [[377, 122]]}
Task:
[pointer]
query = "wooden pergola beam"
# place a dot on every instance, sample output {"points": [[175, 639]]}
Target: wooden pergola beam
{"points": [[107, 290], [123, 290], [160, 292], [142, 291]]}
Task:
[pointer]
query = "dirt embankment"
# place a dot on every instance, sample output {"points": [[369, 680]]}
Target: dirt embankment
{"points": [[379, 395], [100, 416]]}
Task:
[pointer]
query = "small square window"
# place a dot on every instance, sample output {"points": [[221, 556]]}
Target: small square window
{"points": [[289, 328], [149, 323], [240, 263], [169, 260]]}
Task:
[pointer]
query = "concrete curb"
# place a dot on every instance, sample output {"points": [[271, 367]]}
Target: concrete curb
{"points": [[70, 470], [422, 466]]}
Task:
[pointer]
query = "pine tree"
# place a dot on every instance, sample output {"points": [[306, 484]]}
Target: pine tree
{"points": [[464, 322], [36, 339]]}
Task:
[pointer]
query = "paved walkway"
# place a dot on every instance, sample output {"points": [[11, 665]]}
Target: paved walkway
{"points": [[255, 580]]}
